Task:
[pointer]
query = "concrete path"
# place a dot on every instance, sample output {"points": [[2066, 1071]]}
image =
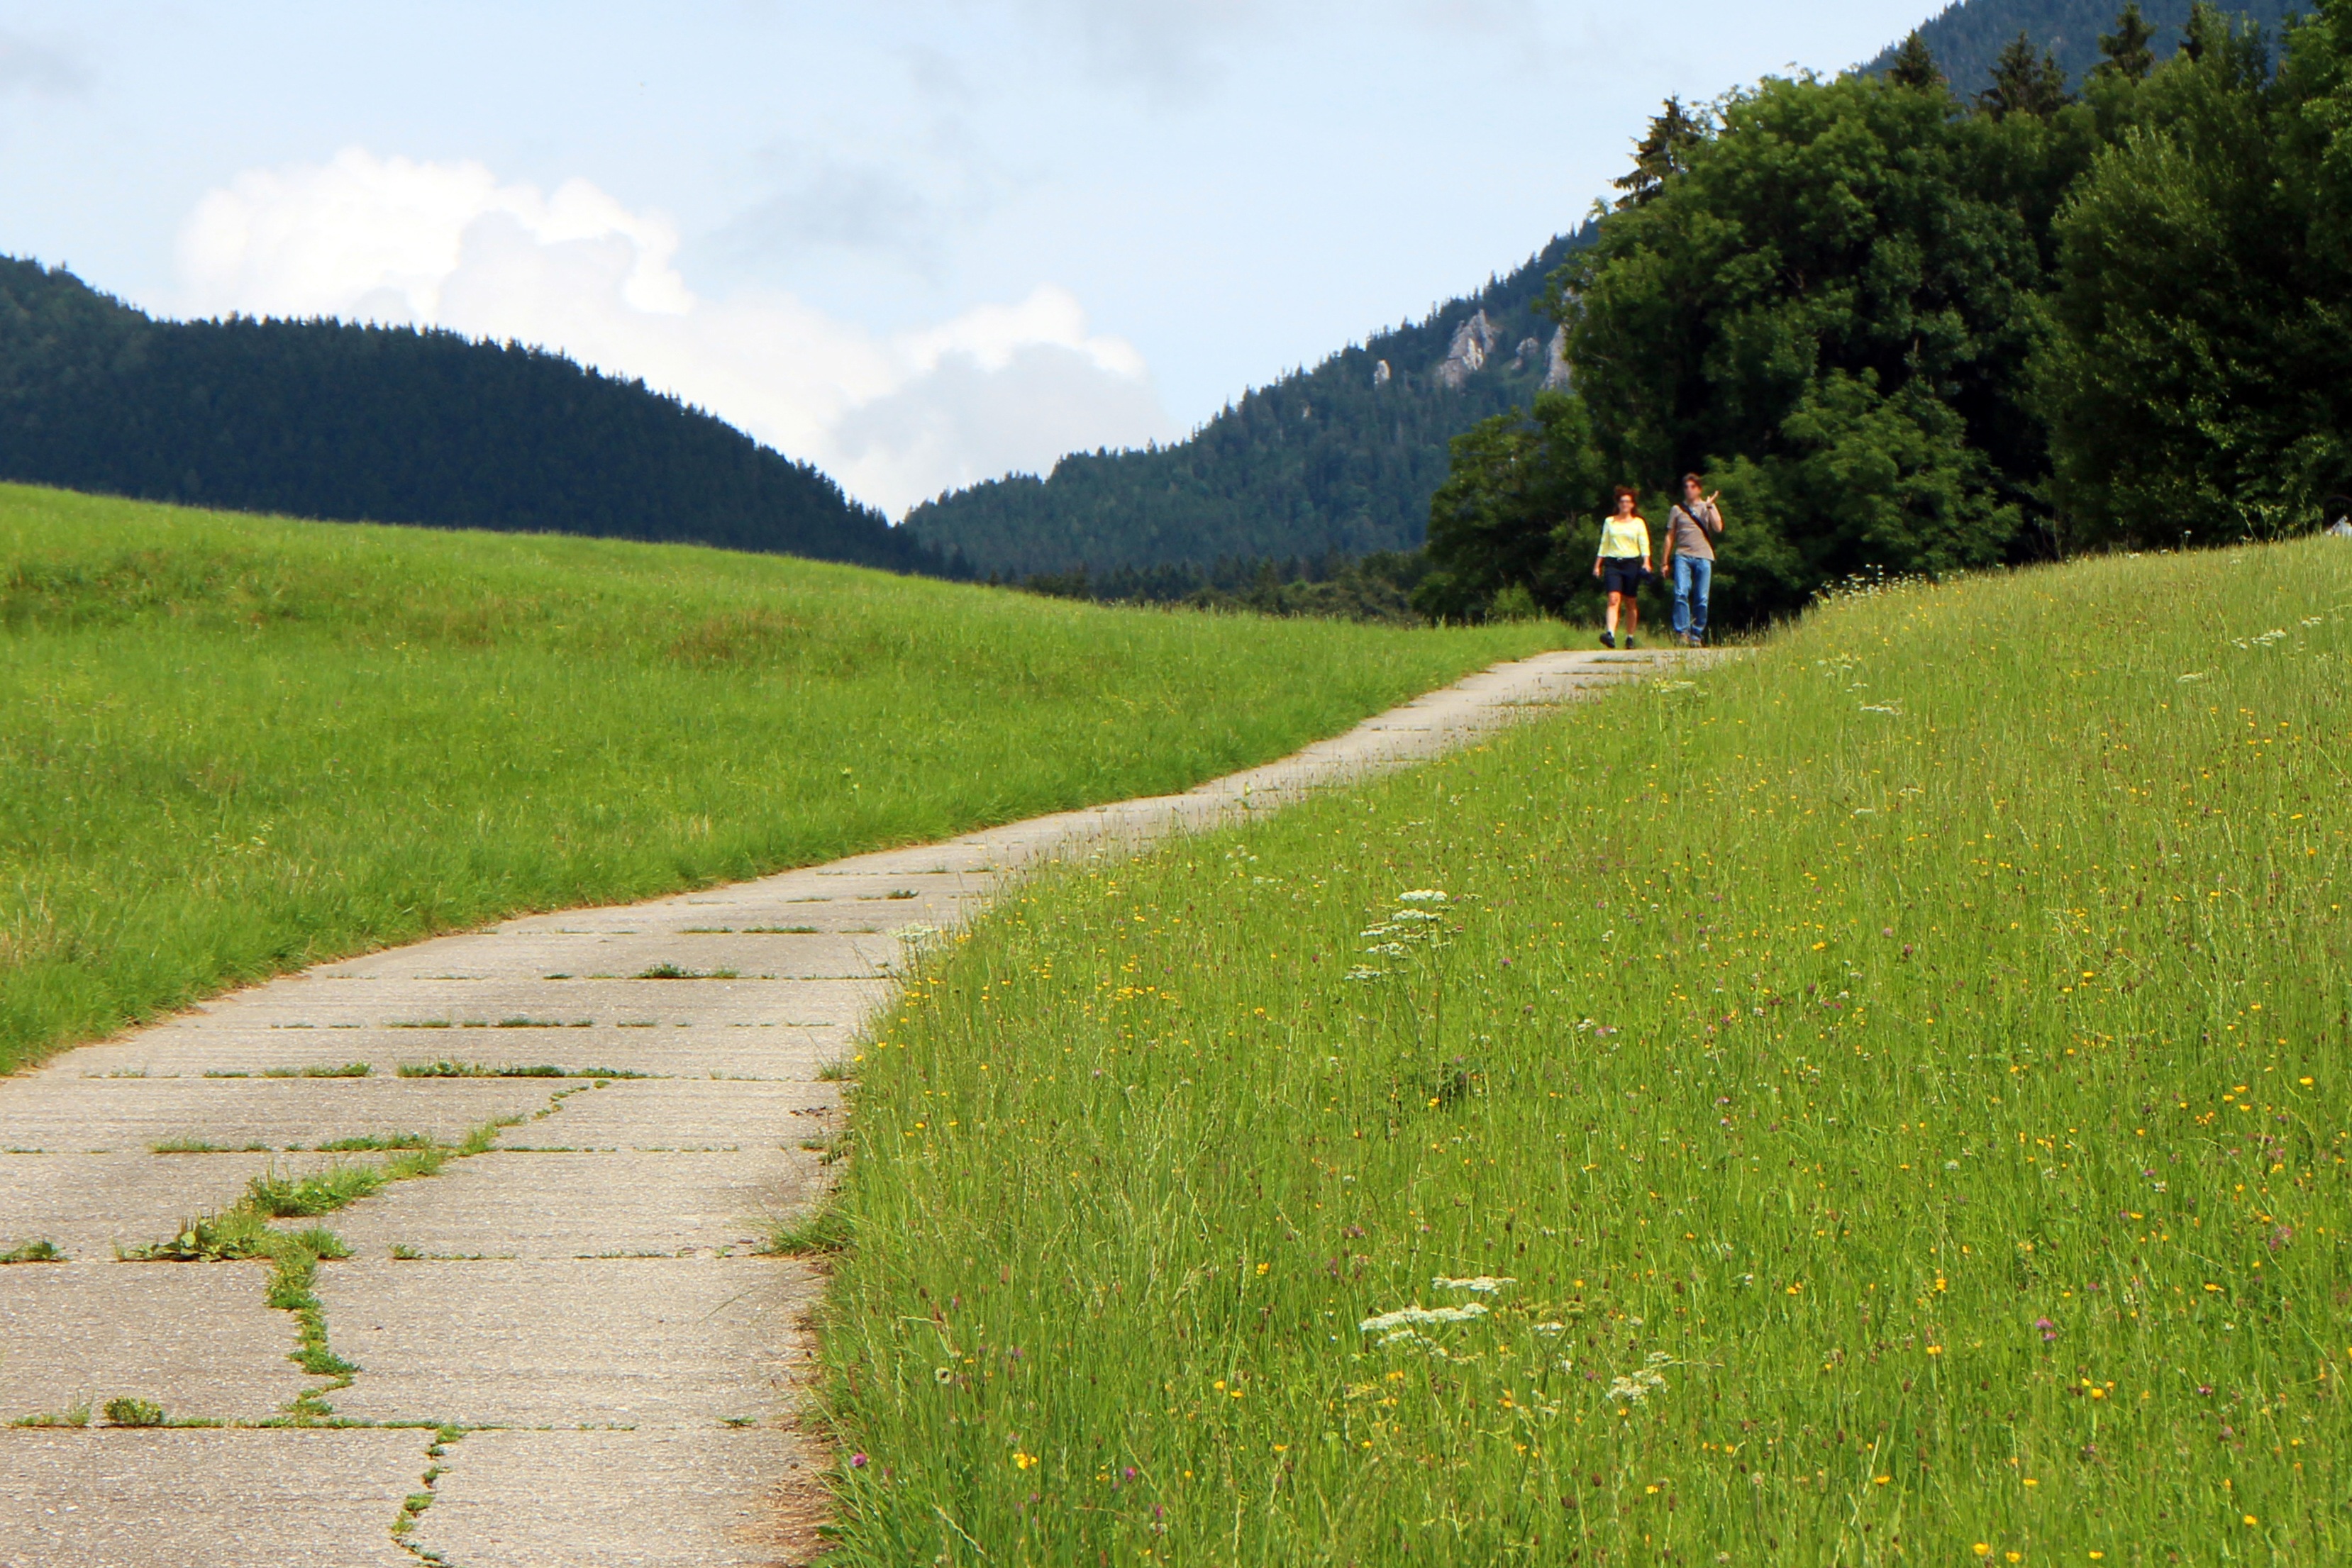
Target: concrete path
{"points": [[569, 1348]]}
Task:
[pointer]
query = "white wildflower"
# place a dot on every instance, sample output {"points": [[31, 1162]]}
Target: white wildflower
{"points": [[1484, 1284], [1416, 915], [1550, 1329], [1642, 1381], [1421, 895], [1362, 973], [1416, 1315]]}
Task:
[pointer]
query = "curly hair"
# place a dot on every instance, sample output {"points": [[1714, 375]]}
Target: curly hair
{"points": [[1629, 493]]}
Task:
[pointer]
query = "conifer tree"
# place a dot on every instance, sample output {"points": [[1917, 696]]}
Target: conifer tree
{"points": [[1665, 152], [1914, 65], [2024, 82], [2127, 49]]}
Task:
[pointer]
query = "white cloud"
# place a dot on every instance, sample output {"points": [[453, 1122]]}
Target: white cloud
{"points": [[897, 419]]}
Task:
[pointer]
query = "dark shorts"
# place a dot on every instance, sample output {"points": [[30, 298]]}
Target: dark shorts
{"points": [[1621, 574]]}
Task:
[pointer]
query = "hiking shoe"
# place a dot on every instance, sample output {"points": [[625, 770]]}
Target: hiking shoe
{"points": [[1629, 640], [1609, 639]]}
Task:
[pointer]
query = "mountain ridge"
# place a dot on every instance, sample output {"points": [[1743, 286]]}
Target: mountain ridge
{"points": [[1339, 458], [364, 424]]}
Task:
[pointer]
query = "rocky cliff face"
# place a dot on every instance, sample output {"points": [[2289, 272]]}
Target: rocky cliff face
{"points": [[1475, 342], [1556, 361]]}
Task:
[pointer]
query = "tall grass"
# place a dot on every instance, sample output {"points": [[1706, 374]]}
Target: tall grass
{"points": [[232, 744], [1881, 1102]]}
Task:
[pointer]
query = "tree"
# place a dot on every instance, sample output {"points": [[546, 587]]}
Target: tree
{"points": [[1914, 66], [1524, 492], [2201, 385], [2127, 49], [1662, 153], [1830, 313], [2024, 82]]}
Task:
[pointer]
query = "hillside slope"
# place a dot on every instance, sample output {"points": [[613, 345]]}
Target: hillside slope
{"points": [[230, 746], [1342, 457], [325, 420], [1878, 1103], [1965, 37]]}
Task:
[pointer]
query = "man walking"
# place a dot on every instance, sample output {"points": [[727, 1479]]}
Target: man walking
{"points": [[1692, 529]]}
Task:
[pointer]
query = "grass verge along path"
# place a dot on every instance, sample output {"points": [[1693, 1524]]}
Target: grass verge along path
{"points": [[232, 746], [1883, 1101]]}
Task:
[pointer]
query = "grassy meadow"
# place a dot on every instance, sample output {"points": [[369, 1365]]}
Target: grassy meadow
{"points": [[1883, 1101], [232, 744]]}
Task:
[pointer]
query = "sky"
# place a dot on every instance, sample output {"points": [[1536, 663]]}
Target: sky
{"points": [[918, 242]]}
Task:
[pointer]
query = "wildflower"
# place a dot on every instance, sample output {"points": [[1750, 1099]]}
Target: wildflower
{"points": [[1361, 972], [856, 1462], [1642, 1381], [1022, 1461], [1416, 1315], [1485, 1284], [2049, 1330], [1421, 895]]}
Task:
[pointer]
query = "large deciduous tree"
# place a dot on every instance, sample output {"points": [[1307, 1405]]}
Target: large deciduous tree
{"points": [[2200, 388], [1829, 312]]}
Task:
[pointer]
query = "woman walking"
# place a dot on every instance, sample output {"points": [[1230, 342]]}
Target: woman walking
{"points": [[1621, 564]]}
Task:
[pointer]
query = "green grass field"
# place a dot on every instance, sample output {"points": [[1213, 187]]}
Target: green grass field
{"points": [[231, 746], [1883, 1101]]}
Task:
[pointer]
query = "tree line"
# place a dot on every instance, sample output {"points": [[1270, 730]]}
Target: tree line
{"points": [[322, 419], [1909, 332]]}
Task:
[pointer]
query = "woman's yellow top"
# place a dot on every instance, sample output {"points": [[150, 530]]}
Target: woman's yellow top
{"points": [[1624, 539]]}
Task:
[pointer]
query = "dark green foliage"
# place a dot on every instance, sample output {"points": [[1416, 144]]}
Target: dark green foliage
{"points": [[1333, 460], [324, 420], [2127, 49], [1913, 64], [1663, 152], [1378, 587], [2202, 389], [1830, 315], [1968, 38], [1521, 509], [2025, 80]]}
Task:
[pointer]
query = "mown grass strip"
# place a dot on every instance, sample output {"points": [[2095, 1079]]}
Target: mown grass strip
{"points": [[234, 745], [1883, 1101]]}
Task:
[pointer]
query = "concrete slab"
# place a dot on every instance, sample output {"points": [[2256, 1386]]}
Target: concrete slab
{"points": [[723, 1499], [89, 1204], [601, 1205], [197, 1339], [690, 1341], [215, 1499], [531, 1008], [656, 1115], [59, 1113]]}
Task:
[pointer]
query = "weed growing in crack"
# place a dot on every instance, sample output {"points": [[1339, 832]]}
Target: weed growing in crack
{"points": [[673, 972], [321, 1192], [833, 1071], [39, 1250], [413, 1506], [372, 1142], [447, 1068], [127, 1412], [320, 1070], [75, 1415], [822, 1229]]}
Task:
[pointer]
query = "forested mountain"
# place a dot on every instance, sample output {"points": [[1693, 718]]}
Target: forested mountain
{"points": [[1967, 38], [1341, 458], [388, 424]]}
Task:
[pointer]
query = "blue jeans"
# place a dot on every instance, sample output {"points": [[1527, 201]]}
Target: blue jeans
{"points": [[1692, 577]]}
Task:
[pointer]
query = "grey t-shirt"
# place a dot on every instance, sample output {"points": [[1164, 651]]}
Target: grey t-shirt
{"points": [[1695, 529]]}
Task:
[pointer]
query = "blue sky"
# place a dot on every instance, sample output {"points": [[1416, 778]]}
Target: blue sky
{"points": [[918, 242]]}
